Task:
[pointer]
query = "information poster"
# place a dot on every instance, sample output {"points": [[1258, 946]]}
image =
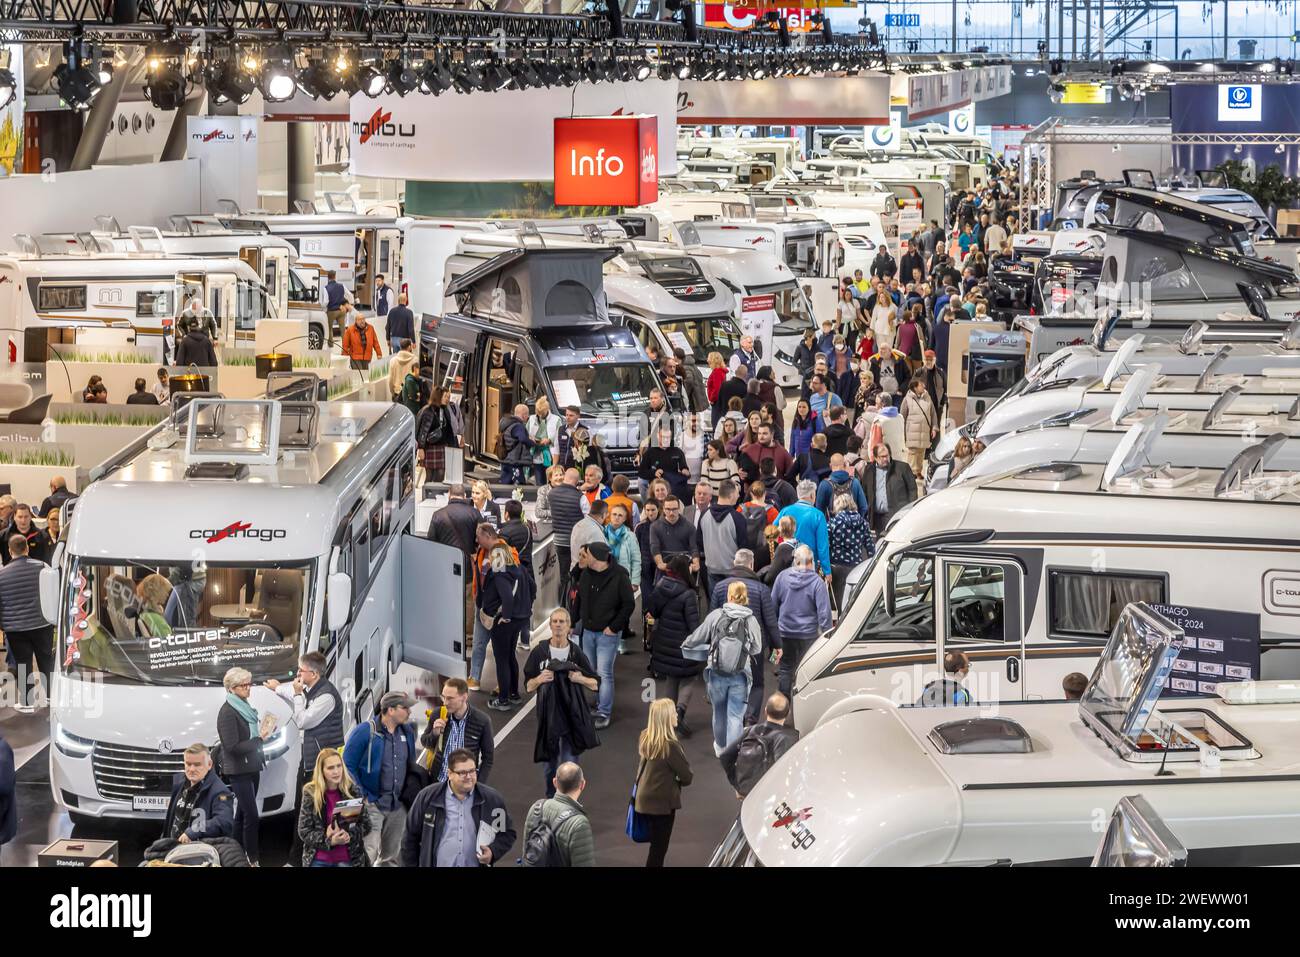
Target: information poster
{"points": [[1220, 646], [758, 319]]}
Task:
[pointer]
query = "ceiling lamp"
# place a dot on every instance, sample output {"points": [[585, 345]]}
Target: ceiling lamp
{"points": [[319, 80], [401, 78], [8, 88], [435, 78], [278, 81], [77, 84]]}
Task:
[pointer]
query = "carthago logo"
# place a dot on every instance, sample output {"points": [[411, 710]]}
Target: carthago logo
{"points": [[649, 167], [381, 126], [238, 529]]}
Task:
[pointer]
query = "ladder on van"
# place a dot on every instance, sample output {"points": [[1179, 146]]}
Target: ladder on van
{"points": [[455, 360]]}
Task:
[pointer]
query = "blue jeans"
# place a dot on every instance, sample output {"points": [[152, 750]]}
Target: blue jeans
{"points": [[729, 695], [316, 863], [396, 344], [566, 753], [482, 638], [601, 650]]}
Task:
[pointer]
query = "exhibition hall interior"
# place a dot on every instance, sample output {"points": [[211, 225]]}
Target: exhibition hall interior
{"points": [[647, 433]]}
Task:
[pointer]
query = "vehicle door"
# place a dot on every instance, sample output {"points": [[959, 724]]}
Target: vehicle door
{"points": [[220, 294], [11, 321], [643, 332], [432, 632], [884, 643], [505, 362], [981, 614]]}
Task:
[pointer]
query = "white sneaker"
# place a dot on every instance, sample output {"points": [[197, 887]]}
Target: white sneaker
{"points": [[717, 751]]}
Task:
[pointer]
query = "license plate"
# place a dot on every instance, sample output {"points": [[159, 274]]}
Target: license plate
{"points": [[149, 802]]}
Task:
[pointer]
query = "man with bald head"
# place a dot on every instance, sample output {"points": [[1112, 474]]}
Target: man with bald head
{"points": [[840, 481]]}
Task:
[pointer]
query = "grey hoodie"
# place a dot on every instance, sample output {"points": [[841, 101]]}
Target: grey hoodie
{"points": [[697, 645], [803, 606]]}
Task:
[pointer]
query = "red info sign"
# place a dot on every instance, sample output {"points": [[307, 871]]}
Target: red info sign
{"points": [[606, 160]]}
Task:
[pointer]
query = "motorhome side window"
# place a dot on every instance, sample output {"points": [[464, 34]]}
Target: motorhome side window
{"points": [[1087, 604], [913, 617], [360, 560], [60, 298], [976, 601], [150, 304]]}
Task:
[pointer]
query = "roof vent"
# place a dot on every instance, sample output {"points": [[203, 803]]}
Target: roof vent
{"points": [[981, 736]]}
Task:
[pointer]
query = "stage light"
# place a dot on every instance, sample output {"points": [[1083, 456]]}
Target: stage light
{"points": [[77, 84], [226, 83], [370, 81], [165, 81], [435, 78], [684, 70], [8, 88], [401, 78], [468, 78], [277, 81], [319, 80]]}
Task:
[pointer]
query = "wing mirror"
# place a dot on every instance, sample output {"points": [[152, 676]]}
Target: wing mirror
{"points": [[338, 600]]}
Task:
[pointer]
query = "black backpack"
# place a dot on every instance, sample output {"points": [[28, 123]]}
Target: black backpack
{"points": [[540, 847], [841, 488], [753, 759], [755, 517]]}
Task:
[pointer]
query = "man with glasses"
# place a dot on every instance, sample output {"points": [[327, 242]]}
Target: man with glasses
{"points": [[380, 755], [670, 536], [464, 728], [889, 486], [457, 822]]}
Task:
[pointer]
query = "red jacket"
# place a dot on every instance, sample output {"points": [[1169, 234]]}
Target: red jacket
{"points": [[355, 348], [716, 378], [777, 453]]}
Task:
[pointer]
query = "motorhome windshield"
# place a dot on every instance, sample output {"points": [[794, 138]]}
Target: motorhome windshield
{"points": [[170, 623], [605, 388], [702, 336], [793, 314]]}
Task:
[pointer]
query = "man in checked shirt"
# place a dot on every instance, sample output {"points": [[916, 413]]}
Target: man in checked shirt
{"points": [[464, 727]]}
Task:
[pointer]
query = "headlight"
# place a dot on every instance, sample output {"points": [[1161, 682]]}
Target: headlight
{"points": [[785, 357], [276, 745], [70, 744]]}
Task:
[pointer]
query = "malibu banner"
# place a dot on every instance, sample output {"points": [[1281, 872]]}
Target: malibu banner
{"points": [[861, 100], [495, 137], [606, 161]]}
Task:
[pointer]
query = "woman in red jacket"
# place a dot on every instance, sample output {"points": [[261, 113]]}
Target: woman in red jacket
{"points": [[717, 376]]}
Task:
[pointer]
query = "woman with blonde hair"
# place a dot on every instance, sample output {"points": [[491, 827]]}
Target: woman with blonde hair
{"points": [[507, 608], [717, 376], [554, 477], [661, 774], [153, 592], [329, 839], [962, 456], [488, 510], [544, 429], [726, 640]]}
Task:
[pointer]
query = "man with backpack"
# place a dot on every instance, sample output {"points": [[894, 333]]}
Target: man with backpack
{"points": [[948, 691], [747, 759], [840, 482], [557, 832], [758, 513], [727, 640], [760, 600]]}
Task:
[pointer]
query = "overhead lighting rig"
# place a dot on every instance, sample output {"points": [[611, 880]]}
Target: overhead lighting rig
{"points": [[75, 81]]}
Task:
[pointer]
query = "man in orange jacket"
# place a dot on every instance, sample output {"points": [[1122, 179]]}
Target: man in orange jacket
{"points": [[361, 343]]}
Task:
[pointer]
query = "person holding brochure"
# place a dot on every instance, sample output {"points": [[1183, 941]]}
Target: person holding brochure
{"points": [[457, 822], [332, 823]]}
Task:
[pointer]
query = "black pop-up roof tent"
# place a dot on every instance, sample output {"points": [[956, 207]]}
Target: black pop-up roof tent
{"points": [[537, 288]]}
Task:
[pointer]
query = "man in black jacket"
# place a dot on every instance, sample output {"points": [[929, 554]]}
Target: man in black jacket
{"points": [[196, 349], [516, 531], [912, 259], [760, 602], [201, 806], [443, 824], [465, 728], [556, 670], [883, 265], [605, 604], [58, 495], [401, 323], [776, 739], [838, 432], [889, 486], [735, 385]]}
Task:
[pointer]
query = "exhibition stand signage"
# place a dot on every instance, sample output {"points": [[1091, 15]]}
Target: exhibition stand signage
{"points": [[495, 137], [606, 161], [931, 94], [1219, 646], [787, 101], [226, 148]]}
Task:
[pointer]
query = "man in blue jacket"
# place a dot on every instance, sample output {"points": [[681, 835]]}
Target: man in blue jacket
{"points": [[840, 480], [760, 601], [201, 805], [380, 754], [810, 526]]}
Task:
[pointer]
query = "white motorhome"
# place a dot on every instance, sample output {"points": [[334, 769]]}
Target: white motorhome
{"points": [[259, 530], [273, 258], [117, 300], [1022, 784], [355, 246], [1027, 572]]}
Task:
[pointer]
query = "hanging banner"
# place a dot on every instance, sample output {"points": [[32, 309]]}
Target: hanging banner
{"points": [[606, 161], [728, 16], [1085, 94], [1220, 646], [226, 148], [930, 94], [494, 137], [861, 100]]}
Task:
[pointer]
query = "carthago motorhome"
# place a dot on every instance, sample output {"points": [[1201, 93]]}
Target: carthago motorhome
{"points": [[1022, 783], [1027, 571], [238, 533], [116, 300]]}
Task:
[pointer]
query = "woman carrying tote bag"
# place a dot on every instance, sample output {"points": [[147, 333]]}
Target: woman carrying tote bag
{"points": [[661, 774]]}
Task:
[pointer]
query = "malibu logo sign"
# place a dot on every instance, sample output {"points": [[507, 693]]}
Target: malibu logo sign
{"points": [[606, 160], [381, 128], [214, 136]]}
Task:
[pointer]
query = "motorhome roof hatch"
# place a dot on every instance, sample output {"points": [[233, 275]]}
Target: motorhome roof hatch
{"points": [[1248, 463], [1212, 367], [1119, 362], [1191, 341], [1051, 472], [1133, 452], [537, 288], [108, 224], [1134, 392], [1220, 407], [981, 736], [237, 432]]}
